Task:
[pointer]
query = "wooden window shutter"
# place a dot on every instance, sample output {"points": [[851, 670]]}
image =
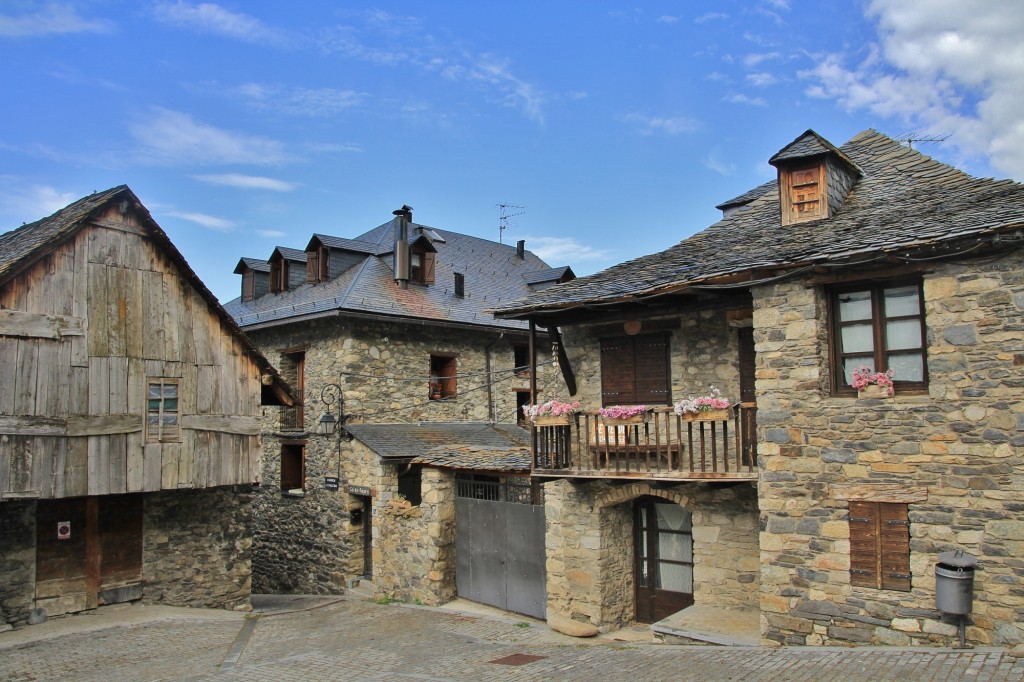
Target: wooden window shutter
{"points": [[325, 263], [312, 266], [894, 546], [248, 285], [429, 260], [275, 276], [618, 375], [651, 366], [880, 545]]}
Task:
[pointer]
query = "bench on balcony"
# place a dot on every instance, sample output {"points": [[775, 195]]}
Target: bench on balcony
{"points": [[666, 446]]}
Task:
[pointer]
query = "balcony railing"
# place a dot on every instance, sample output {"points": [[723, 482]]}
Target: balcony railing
{"points": [[666, 446]]}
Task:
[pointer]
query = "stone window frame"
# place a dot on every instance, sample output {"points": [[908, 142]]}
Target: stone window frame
{"points": [[164, 424], [876, 289]]}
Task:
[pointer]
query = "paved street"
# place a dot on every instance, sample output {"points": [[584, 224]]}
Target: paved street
{"points": [[351, 638]]}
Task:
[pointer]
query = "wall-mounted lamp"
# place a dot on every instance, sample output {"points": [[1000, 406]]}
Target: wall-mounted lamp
{"points": [[329, 424]]}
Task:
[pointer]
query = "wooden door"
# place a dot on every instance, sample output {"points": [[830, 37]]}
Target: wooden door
{"points": [[663, 533], [88, 552]]}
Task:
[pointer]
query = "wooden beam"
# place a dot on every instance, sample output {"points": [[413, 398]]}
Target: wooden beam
{"points": [[120, 227], [222, 423], [31, 425], [103, 424], [38, 326]]}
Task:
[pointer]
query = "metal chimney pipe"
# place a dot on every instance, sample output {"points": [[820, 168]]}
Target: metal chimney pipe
{"points": [[402, 254], [521, 249]]}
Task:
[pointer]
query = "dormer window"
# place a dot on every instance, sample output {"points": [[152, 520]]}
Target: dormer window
{"points": [[421, 265], [814, 178], [802, 191]]}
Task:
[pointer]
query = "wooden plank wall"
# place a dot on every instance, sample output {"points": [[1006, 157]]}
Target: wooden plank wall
{"points": [[83, 330]]}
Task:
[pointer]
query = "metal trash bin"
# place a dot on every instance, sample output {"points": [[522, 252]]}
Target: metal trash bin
{"points": [[954, 582]]}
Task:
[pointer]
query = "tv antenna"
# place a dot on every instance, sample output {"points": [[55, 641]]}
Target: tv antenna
{"points": [[504, 213], [911, 138]]}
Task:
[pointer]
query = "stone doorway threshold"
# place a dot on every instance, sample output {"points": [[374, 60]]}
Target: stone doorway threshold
{"points": [[713, 624]]}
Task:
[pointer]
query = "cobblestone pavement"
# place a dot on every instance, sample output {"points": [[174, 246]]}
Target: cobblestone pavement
{"points": [[355, 639]]}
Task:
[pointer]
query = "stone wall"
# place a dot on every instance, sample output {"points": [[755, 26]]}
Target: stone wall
{"points": [[197, 547], [590, 547], [17, 560], [961, 445], [306, 544], [414, 547]]}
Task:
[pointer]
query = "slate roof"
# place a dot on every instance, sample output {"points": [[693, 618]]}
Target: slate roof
{"points": [[474, 445], [904, 202], [257, 264], [354, 245], [288, 253], [549, 275], [476, 458], [494, 275], [22, 247]]}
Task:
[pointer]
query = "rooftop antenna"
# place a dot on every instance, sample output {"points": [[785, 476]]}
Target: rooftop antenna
{"points": [[503, 216], [911, 138]]}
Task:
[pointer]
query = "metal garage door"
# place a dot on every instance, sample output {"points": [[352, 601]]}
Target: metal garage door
{"points": [[499, 545]]}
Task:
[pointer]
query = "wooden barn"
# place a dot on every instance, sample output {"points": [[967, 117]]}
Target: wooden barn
{"points": [[130, 407]]}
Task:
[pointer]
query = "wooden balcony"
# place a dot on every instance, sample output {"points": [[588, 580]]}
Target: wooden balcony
{"points": [[665, 447]]}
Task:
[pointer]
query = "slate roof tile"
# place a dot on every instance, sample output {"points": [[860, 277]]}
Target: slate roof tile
{"points": [[455, 443]]}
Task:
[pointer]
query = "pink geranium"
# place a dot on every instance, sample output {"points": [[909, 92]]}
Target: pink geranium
{"points": [[865, 376], [552, 408], [704, 403], [622, 411]]}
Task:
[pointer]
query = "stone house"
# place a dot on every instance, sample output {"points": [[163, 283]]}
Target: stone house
{"points": [[819, 508], [130, 405], [386, 338]]}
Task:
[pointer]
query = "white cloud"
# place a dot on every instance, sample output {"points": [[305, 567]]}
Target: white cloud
{"points": [[208, 17], [31, 203], [168, 137], [516, 93], [757, 58], [271, 234], [762, 79], [710, 16], [740, 98], [940, 67], [334, 147], [714, 162], [247, 182], [668, 19], [293, 100], [207, 221], [53, 19], [649, 125], [559, 250]]}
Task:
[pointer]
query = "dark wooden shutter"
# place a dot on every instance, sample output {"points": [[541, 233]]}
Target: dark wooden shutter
{"points": [[248, 285], [894, 546], [617, 372], [325, 263], [651, 362], [864, 544], [429, 259], [880, 545]]}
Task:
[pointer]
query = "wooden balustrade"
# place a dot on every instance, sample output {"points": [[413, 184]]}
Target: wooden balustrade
{"points": [[665, 446]]}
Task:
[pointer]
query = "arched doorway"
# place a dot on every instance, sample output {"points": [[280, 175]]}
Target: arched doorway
{"points": [[663, 542]]}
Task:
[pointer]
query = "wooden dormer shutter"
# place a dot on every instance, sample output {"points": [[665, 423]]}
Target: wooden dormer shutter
{"points": [[313, 265], [880, 545], [429, 259], [803, 193], [325, 263], [248, 285]]}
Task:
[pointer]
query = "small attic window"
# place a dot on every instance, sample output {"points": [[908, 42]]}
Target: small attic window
{"points": [[803, 192], [421, 265], [317, 265]]}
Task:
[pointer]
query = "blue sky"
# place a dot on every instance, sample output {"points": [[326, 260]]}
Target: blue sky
{"points": [[615, 127]]}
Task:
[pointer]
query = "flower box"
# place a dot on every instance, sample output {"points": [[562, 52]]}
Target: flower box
{"points": [[875, 391], [707, 416], [550, 420], [626, 421]]}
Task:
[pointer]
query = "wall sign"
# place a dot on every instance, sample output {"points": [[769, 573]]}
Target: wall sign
{"points": [[331, 482], [63, 530], [363, 490]]}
